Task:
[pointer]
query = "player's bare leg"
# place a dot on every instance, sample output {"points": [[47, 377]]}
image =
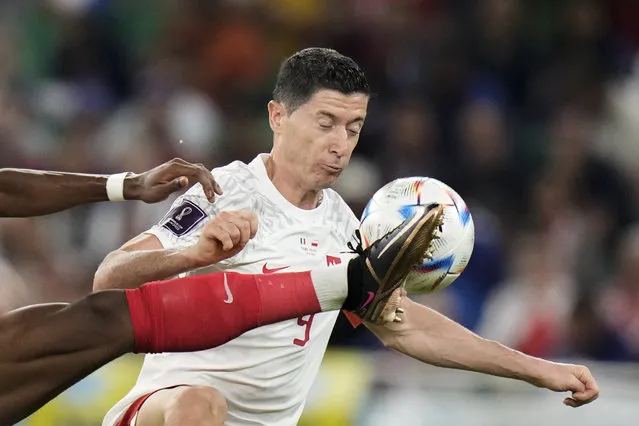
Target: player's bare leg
{"points": [[184, 406], [44, 349]]}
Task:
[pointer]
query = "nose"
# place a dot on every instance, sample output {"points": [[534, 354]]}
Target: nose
{"points": [[339, 142]]}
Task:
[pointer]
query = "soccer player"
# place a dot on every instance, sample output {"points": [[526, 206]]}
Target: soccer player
{"points": [[263, 377], [46, 348]]}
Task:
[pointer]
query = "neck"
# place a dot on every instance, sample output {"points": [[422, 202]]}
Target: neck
{"points": [[289, 186]]}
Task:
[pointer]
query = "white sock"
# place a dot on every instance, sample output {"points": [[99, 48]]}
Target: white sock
{"points": [[331, 285]]}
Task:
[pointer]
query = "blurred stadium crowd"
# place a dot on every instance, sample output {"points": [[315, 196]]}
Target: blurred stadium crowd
{"points": [[529, 109]]}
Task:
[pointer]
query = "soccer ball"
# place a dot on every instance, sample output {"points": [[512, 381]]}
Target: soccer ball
{"points": [[395, 202]]}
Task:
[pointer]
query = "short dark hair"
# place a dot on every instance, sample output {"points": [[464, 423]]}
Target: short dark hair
{"points": [[313, 69]]}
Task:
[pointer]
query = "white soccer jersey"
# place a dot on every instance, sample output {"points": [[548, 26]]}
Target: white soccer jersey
{"points": [[266, 373]]}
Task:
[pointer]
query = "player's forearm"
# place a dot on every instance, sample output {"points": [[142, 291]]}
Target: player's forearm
{"points": [[434, 339], [25, 193], [130, 269]]}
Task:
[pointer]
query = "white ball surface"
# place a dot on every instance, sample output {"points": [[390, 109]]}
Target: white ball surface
{"points": [[395, 201]]}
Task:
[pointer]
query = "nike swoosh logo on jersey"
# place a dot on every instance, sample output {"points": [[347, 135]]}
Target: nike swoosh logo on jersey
{"points": [[266, 270], [371, 295], [229, 295]]}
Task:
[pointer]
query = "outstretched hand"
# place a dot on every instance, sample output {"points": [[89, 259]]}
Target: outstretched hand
{"points": [[158, 183]]}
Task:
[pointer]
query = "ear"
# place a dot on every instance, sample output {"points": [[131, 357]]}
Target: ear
{"points": [[276, 113]]}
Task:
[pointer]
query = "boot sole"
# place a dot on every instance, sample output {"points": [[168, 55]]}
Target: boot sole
{"points": [[416, 246]]}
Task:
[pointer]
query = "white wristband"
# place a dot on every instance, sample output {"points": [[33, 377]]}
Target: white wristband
{"points": [[115, 186]]}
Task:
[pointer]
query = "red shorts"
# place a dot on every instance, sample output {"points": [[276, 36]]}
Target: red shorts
{"points": [[133, 409]]}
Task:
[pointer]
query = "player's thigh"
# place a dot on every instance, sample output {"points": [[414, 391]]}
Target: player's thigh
{"points": [[183, 404]]}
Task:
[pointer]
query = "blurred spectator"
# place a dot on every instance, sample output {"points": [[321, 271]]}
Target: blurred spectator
{"points": [[620, 297], [592, 337], [491, 178], [590, 186], [485, 270], [410, 142], [530, 310], [618, 138]]}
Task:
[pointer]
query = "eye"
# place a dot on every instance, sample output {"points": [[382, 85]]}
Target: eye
{"points": [[354, 131], [325, 124]]}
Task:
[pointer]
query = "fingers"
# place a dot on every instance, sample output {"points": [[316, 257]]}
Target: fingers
{"points": [[233, 229], [179, 183], [209, 185], [585, 390], [251, 218], [590, 390], [586, 396], [578, 402], [571, 402], [243, 225], [225, 231], [576, 385], [154, 191], [193, 173]]}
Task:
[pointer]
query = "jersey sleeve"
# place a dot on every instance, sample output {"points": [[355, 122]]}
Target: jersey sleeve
{"points": [[182, 224]]}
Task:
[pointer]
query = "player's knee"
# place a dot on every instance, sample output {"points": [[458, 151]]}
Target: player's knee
{"points": [[197, 403]]}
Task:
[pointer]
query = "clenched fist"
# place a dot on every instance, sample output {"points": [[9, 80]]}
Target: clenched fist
{"points": [[223, 237], [569, 377]]}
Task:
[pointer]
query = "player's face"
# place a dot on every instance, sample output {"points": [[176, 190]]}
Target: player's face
{"points": [[316, 140]]}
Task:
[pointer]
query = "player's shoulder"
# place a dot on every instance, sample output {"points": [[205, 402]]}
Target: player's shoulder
{"points": [[234, 167], [237, 176], [188, 214]]}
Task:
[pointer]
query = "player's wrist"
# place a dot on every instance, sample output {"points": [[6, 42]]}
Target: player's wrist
{"points": [[192, 259], [120, 187], [132, 187], [531, 370]]}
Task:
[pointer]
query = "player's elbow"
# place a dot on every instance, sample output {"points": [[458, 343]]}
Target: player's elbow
{"points": [[100, 280], [103, 278]]}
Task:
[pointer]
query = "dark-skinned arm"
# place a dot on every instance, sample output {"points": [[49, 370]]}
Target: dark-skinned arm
{"points": [[25, 193]]}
